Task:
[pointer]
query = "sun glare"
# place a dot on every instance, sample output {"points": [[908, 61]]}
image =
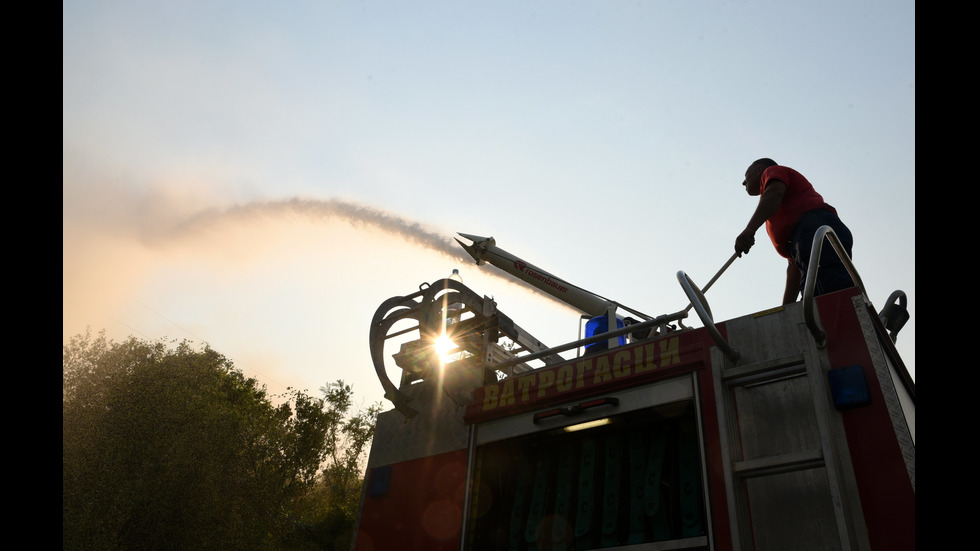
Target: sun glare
{"points": [[445, 348]]}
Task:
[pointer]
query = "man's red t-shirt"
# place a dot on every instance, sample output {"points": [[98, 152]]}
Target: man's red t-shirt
{"points": [[800, 197]]}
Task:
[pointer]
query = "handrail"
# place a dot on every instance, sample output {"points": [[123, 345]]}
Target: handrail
{"points": [[812, 323], [636, 327], [700, 305]]}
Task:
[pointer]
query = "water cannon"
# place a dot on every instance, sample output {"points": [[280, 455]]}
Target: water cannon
{"points": [[485, 249], [602, 312]]}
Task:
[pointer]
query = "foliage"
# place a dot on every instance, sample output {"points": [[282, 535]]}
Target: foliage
{"points": [[329, 511], [173, 448]]}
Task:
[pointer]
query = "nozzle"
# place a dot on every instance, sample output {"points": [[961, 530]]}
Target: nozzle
{"points": [[476, 248], [478, 239]]}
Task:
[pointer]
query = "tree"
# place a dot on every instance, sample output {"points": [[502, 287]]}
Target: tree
{"points": [[173, 448], [328, 513]]}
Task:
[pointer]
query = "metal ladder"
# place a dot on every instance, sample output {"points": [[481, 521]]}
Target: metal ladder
{"points": [[782, 443], [788, 474]]}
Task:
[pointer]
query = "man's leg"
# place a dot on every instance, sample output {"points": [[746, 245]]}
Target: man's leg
{"points": [[831, 273]]}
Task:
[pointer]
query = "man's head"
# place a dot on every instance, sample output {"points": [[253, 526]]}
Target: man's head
{"points": [[753, 175]]}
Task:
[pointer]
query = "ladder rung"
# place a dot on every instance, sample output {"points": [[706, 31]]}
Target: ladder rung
{"points": [[797, 461], [769, 369]]}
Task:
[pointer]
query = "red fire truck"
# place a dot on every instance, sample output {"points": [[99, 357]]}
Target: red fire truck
{"points": [[787, 429]]}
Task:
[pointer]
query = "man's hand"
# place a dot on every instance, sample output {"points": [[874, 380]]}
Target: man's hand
{"points": [[744, 242], [769, 202]]}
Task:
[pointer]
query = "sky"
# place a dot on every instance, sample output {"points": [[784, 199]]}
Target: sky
{"points": [[261, 176]]}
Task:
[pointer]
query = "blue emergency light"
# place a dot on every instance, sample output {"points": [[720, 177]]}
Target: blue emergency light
{"points": [[849, 387], [597, 326]]}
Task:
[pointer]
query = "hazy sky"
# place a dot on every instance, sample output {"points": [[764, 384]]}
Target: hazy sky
{"points": [[261, 176]]}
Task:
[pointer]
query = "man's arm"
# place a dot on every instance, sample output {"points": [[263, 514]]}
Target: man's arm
{"points": [[769, 203], [793, 277]]}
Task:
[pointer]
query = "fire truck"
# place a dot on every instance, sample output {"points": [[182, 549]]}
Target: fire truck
{"points": [[792, 428]]}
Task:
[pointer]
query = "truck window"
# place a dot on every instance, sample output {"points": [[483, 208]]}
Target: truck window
{"points": [[635, 480]]}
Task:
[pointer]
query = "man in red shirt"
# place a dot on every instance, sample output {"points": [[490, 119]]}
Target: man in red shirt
{"points": [[793, 211]]}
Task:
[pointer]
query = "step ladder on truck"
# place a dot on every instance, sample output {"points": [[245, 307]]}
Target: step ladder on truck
{"points": [[791, 428]]}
